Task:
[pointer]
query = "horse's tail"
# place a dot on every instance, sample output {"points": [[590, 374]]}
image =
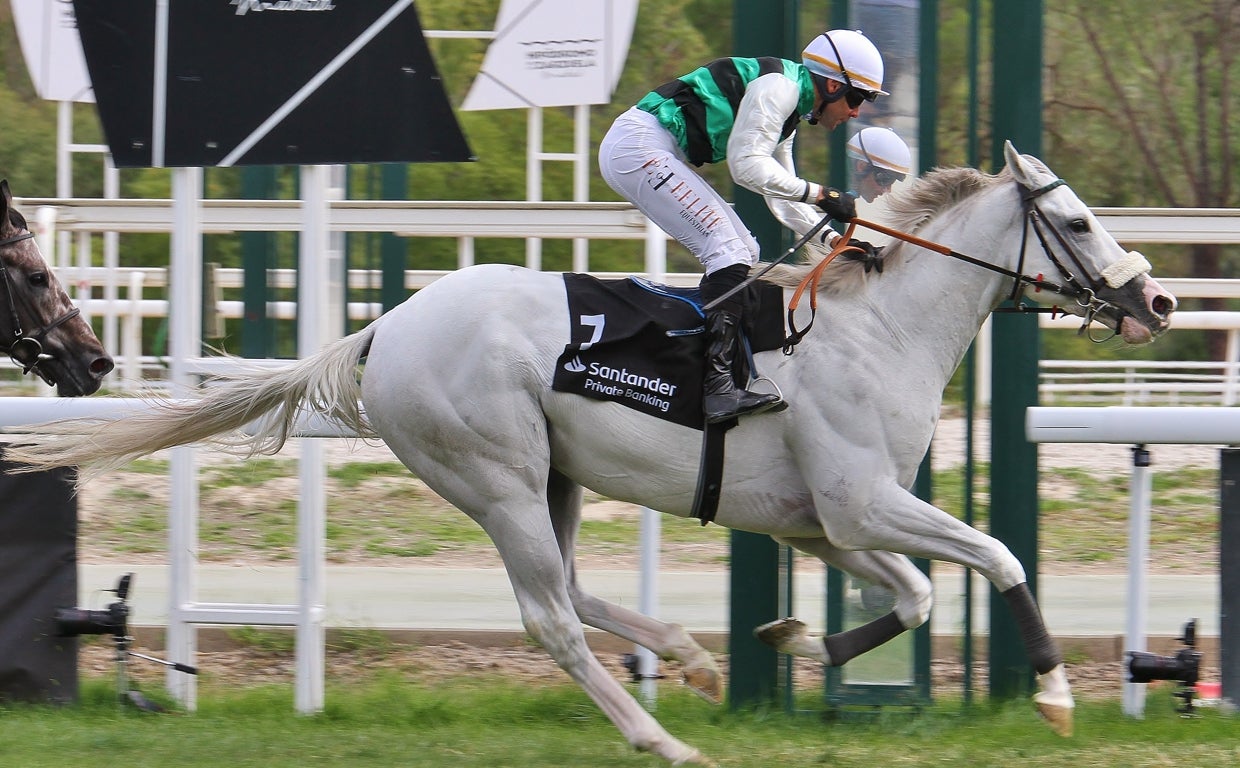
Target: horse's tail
{"points": [[268, 401]]}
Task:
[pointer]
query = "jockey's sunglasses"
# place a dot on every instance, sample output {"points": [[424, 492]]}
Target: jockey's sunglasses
{"points": [[854, 96], [885, 178]]}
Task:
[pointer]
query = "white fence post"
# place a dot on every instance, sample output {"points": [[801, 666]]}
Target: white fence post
{"points": [[184, 344]]}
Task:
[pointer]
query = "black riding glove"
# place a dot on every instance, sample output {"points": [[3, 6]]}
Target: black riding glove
{"points": [[871, 256], [840, 206]]}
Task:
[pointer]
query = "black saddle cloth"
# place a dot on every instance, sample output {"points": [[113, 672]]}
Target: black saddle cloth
{"points": [[643, 344]]}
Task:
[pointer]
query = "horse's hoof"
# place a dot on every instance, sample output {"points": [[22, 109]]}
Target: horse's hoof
{"points": [[704, 682], [777, 633], [1058, 717], [697, 758]]}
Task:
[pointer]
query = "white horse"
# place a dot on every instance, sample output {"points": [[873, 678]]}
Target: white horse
{"points": [[457, 381]]}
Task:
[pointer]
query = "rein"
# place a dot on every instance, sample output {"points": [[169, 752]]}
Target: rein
{"points": [[811, 281], [26, 350], [1086, 297]]}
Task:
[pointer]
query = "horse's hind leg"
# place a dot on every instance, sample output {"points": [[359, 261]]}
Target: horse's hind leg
{"points": [[526, 542], [669, 642], [897, 573], [898, 521], [511, 506]]}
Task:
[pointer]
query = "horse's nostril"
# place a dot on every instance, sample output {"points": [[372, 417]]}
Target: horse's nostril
{"points": [[1163, 305], [102, 366]]}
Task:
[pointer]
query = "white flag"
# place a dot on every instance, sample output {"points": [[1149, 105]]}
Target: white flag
{"points": [[554, 53], [47, 31]]}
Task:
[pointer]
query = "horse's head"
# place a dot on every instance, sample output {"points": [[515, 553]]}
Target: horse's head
{"points": [[1064, 242], [40, 329]]}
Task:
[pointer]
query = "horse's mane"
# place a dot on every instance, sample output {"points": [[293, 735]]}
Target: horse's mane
{"points": [[936, 191]]}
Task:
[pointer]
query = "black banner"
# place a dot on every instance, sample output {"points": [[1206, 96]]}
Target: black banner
{"points": [[274, 82], [38, 575]]}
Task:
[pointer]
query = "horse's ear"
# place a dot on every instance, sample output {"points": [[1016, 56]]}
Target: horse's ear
{"points": [[6, 200], [1020, 168]]}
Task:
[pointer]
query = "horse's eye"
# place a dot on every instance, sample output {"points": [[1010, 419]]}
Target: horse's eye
{"points": [[38, 279], [1079, 226]]}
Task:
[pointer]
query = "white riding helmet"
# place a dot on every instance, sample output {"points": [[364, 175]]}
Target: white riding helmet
{"points": [[882, 148], [848, 57]]}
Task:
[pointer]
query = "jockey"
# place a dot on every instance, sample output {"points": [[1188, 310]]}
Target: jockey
{"points": [[745, 111]]}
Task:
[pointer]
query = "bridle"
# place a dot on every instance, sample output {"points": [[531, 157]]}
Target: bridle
{"points": [[1086, 296], [26, 349]]}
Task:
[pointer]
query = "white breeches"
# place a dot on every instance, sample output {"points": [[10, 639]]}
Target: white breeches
{"points": [[639, 159]]}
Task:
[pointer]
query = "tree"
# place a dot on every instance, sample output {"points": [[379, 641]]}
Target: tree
{"points": [[1143, 94]]}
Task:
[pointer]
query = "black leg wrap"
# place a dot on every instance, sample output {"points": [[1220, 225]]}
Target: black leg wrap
{"points": [[843, 646], [1043, 652]]}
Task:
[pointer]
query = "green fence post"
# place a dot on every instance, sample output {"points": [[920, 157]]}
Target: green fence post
{"points": [[1016, 116], [393, 250], [257, 256], [760, 29]]}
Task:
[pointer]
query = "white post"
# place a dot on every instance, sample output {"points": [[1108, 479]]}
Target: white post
{"points": [[131, 334], [45, 236], [464, 252], [981, 346], [1230, 364], [45, 231], [533, 178], [581, 179], [319, 319], [1138, 555], [651, 525], [64, 171], [648, 603], [64, 157], [184, 344], [111, 256], [81, 290]]}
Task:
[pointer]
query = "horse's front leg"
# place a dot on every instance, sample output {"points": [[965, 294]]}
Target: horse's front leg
{"points": [[670, 642]]}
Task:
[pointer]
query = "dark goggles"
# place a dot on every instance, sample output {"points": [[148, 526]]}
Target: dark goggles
{"points": [[854, 96], [885, 178]]}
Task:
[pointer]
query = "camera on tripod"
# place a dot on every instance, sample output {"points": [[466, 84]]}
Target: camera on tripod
{"points": [[1184, 667], [113, 620]]}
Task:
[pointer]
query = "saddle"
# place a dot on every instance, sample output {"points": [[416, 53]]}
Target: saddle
{"points": [[643, 345]]}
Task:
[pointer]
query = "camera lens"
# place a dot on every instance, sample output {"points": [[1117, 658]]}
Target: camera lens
{"points": [[71, 622], [1144, 667]]}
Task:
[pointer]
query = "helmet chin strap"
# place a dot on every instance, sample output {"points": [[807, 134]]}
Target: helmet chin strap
{"points": [[820, 85]]}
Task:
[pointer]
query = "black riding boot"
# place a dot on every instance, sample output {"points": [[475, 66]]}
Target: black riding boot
{"points": [[723, 399]]}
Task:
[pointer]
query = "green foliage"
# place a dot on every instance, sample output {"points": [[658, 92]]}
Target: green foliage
{"points": [[265, 639], [355, 473], [253, 472]]}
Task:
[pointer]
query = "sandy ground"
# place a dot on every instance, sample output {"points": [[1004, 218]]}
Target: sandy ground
{"points": [[432, 664]]}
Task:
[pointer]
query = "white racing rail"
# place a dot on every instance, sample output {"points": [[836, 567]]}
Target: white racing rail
{"points": [[1139, 427]]}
